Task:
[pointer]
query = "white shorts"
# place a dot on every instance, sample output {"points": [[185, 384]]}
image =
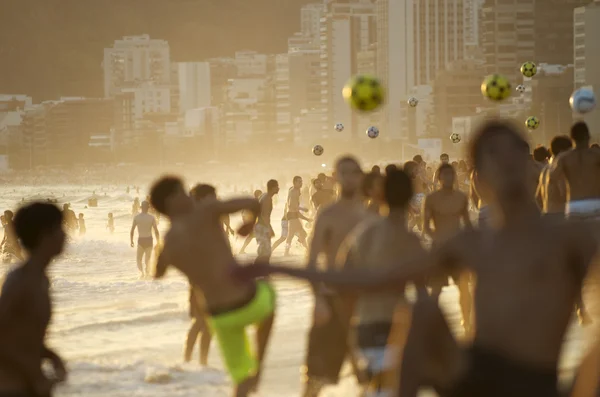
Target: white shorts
{"points": [[584, 209]]}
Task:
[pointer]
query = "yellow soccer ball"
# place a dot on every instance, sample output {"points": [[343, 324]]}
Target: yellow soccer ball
{"points": [[532, 123], [496, 87], [528, 69], [364, 93]]}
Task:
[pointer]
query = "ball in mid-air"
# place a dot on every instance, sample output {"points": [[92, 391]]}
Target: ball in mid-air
{"points": [[528, 69], [318, 150], [412, 102], [364, 93], [455, 138], [521, 88], [339, 127], [373, 132], [532, 123], [583, 100], [496, 87]]}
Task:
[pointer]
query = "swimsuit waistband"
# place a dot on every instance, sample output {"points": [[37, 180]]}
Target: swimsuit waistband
{"points": [[586, 206], [216, 311]]}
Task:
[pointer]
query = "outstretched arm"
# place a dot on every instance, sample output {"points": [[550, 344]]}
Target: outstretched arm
{"points": [[420, 266], [236, 205]]}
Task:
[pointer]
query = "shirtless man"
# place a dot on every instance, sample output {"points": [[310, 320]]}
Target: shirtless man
{"points": [[263, 229], [10, 243], [372, 245], [294, 217], [521, 318], [26, 308], [197, 246], [145, 224], [373, 192], [444, 159], [551, 192], [327, 341], [580, 168], [446, 208]]}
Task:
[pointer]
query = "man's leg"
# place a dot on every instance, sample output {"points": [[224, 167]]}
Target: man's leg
{"points": [[205, 340], [147, 256], [192, 336], [139, 257]]}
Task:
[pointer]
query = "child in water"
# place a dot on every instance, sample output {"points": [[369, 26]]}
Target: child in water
{"points": [[82, 229], [111, 223]]}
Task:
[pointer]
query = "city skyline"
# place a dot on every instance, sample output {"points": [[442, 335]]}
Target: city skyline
{"points": [[294, 97]]}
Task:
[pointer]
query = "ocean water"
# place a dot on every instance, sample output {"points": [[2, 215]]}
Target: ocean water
{"points": [[123, 336]]}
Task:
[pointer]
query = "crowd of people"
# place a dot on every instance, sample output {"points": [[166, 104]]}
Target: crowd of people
{"points": [[375, 237]]}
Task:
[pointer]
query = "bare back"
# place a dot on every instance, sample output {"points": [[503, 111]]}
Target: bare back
{"points": [[380, 243], [581, 170], [197, 246], [538, 272], [332, 227]]}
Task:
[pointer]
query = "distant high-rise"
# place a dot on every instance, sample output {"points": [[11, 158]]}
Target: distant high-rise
{"points": [[395, 59], [554, 30], [439, 34], [347, 28], [587, 56], [507, 36], [133, 60], [194, 85], [310, 19], [472, 9]]}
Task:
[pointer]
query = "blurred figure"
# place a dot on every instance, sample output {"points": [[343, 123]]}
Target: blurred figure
{"points": [[135, 207], [81, 223], [26, 306], [10, 242], [110, 224]]}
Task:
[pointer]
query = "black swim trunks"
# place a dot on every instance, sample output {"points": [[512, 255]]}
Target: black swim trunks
{"points": [[492, 375], [146, 242]]}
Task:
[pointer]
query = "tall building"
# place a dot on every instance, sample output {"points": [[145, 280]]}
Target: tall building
{"points": [[310, 19], [194, 85], [508, 36], [135, 59], [472, 9], [395, 59], [347, 28], [554, 31], [587, 56], [281, 85], [221, 71], [439, 34], [456, 93]]}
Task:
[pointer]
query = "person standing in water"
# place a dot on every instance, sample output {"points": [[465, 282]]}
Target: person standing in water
{"points": [[145, 224], [26, 306], [263, 229], [10, 243], [110, 225], [197, 246], [81, 222]]}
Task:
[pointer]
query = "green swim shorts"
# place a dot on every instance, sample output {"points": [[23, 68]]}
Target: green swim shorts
{"points": [[230, 331]]}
